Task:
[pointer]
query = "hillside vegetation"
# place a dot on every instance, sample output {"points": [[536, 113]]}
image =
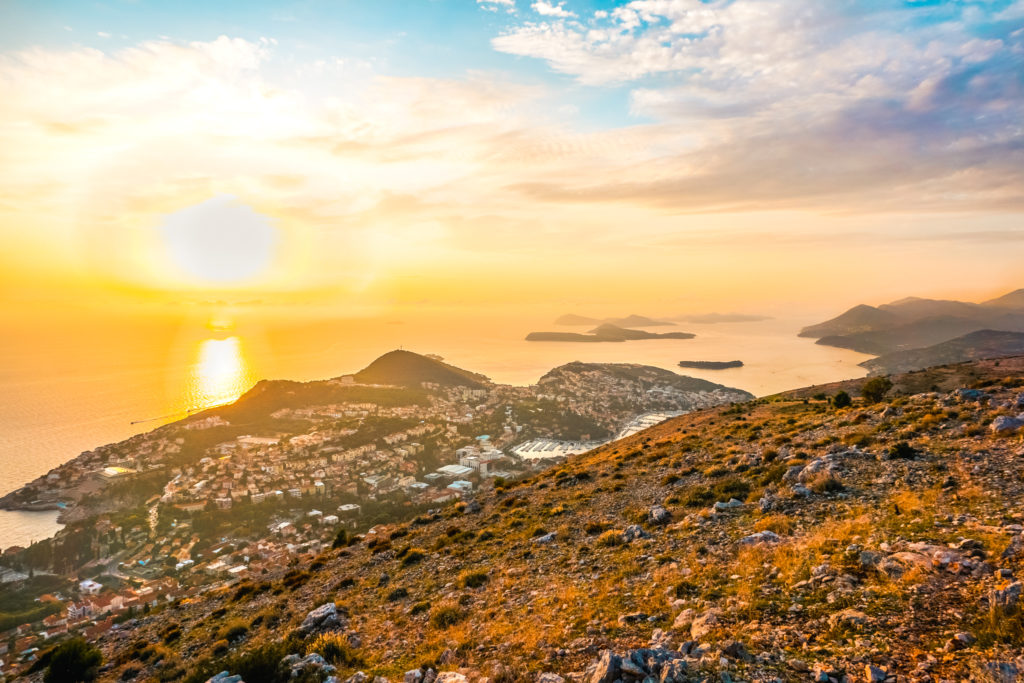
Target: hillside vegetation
{"points": [[780, 538]]}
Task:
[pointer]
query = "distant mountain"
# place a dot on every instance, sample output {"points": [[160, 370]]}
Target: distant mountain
{"points": [[915, 322], [715, 318], [980, 345], [914, 335], [1013, 300], [861, 318], [605, 333], [408, 369], [633, 320]]}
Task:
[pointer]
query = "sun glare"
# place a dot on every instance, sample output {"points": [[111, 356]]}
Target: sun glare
{"points": [[221, 373]]}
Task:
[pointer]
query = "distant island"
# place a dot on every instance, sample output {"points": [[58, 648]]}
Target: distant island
{"points": [[711, 364], [605, 333], [716, 318], [980, 345], [571, 320]]}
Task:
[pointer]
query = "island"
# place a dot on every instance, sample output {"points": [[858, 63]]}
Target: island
{"points": [[711, 364], [605, 333]]}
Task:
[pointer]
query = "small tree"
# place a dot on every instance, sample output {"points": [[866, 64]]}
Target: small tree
{"points": [[74, 662], [842, 400], [875, 389]]}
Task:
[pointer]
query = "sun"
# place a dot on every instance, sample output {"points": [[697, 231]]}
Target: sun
{"points": [[220, 241]]}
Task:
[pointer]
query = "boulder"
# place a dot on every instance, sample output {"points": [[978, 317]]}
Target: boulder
{"points": [[413, 676], [683, 620], [659, 515], [548, 677], [1006, 425], [225, 677], [848, 618], [874, 675], [545, 539], [734, 649], [323, 617], [1006, 599], [761, 537], [634, 532], [607, 669], [704, 624], [450, 677]]}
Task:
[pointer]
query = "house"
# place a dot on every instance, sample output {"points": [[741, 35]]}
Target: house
{"points": [[90, 587]]}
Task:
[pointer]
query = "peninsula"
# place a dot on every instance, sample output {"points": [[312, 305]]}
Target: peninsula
{"points": [[605, 333], [710, 364]]}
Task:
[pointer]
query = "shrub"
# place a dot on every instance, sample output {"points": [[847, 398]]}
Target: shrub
{"points": [[74, 661], [419, 608], [610, 539], [343, 539], [902, 450], [397, 594], [824, 482], [445, 616], [473, 579], [234, 630], [413, 556], [733, 487], [875, 389], [698, 496], [842, 400], [335, 648], [594, 528]]}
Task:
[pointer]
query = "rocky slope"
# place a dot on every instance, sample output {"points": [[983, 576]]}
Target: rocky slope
{"points": [[778, 539]]}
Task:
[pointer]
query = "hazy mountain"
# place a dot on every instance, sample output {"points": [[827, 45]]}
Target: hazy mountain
{"points": [[915, 322], [629, 321], [861, 318], [1014, 300], [715, 318], [408, 369], [974, 346], [605, 333]]}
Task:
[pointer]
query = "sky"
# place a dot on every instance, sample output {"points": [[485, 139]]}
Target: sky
{"points": [[332, 157]]}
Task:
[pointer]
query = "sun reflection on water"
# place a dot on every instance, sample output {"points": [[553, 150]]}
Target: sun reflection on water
{"points": [[220, 374]]}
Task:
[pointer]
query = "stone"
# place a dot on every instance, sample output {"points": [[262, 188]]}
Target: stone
{"points": [[413, 676], [633, 618], [545, 539], [634, 532], [728, 505], [608, 668], [673, 671], [683, 620], [761, 538], [704, 624], [323, 617], [548, 677], [1006, 599], [225, 677], [874, 675], [1006, 425], [734, 649], [848, 618], [450, 677], [659, 515]]}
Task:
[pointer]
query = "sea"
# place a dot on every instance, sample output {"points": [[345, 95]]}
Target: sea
{"points": [[69, 385]]}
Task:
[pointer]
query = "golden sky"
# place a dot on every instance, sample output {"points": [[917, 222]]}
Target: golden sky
{"points": [[665, 156]]}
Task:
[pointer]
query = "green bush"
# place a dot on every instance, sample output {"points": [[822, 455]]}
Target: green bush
{"points": [[445, 616], [842, 400], [74, 661], [875, 389]]}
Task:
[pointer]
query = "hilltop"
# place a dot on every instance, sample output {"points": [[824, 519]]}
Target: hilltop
{"points": [[976, 345], [788, 537], [405, 368]]}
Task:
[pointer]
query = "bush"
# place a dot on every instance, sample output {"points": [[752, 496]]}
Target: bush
{"points": [[842, 400], [445, 616], [234, 631], [335, 648], [875, 389], [610, 538], [473, 579], [412, 556], [74, 661], [398, 594], [902, 451]]}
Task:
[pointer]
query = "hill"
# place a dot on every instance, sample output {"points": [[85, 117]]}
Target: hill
{"points": [[629, 321], [778, 539], [915, 322], [861, 318], [605, 333], [408, 369], [974, 346]]}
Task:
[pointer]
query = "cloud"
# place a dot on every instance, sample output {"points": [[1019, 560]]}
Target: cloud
{"points": [[496, 5], [548, 9], [802, 102]]}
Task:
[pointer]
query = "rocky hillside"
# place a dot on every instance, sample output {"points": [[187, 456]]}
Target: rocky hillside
{"points": [[976, 345], [784, 538]]}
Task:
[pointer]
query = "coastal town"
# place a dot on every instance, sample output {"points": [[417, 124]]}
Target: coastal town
{"points": [[203, 503]]}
